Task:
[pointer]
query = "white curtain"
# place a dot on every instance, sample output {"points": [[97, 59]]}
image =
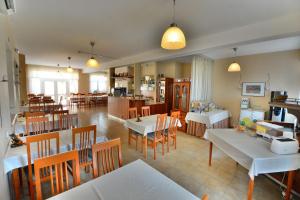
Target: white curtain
{"points": [[201, 86]]}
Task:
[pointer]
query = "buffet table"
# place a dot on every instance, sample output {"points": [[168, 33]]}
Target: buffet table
{"points": [[254, 154], [199, 122]]}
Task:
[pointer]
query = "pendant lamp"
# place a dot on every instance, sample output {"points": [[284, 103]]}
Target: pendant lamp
{"points": [[92, 62], [69, 69], [173, 37], [234, 67]]}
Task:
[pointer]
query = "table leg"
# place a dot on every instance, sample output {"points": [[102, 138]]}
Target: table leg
{"points": [[145, 146], [210, 153], [291, 175], [250, 189], [16, 183]]}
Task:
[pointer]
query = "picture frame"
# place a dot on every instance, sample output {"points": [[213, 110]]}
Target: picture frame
{"points": [[254, 89]]}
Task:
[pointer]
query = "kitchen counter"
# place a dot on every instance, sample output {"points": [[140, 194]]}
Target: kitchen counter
{"points": [[119, 106]]}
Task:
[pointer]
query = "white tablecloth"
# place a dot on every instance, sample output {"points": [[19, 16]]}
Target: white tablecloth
{"points": [[207, 118], [147, 125], [251, 152], [17, 157], [135, 181]]}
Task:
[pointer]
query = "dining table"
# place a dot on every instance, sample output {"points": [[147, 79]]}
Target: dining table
{"points": [[144, 126], [134, 181], [16, 158], [253, 153]]}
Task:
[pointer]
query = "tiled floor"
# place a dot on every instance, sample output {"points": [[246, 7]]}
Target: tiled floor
{"points": [[188, 165]]}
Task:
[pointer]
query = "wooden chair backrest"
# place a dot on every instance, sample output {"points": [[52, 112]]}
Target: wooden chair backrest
{"points": [[56, 117], [175, 114], [160, 125], [172, 129], [68, 121], [57, 166], [37, 125], [44, 147], [29, 96], [34, 114], [145, 111], [132, 113], [103, 156], [84, 143]]}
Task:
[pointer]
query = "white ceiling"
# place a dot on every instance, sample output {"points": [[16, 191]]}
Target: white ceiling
{"points": [[47, 32]]}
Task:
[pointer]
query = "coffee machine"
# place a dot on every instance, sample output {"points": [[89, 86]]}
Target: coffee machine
{"points": [[277, 114]]}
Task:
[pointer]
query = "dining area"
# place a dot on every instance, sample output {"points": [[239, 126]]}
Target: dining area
{"points": [[51, 163]]}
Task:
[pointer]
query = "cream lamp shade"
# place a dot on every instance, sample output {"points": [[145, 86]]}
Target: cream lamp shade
{"points": [[234, 67], [70, 69], [92, 62], [173, 38]]}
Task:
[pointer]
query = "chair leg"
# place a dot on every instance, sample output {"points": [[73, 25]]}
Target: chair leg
{"points": [[168, 144], [136, 142], [129, 137], [154, 151], [163, 149], [175, 141]]}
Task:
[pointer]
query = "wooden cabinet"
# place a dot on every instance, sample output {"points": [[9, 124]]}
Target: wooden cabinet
{"points": [[158, 108], [181, 100], [165, 93]]}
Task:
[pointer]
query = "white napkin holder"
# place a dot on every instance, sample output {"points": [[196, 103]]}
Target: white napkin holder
{"points": [[284, 146]]}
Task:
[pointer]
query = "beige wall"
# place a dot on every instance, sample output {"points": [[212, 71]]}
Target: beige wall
{"points": [[174, 69], [83, 82], [284, 70]]}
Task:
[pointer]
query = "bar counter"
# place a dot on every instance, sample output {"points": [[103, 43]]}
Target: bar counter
{"points": [[118, 106]]}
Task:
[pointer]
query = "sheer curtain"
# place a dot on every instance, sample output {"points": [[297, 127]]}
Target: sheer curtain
{"points": [[201, 86]]}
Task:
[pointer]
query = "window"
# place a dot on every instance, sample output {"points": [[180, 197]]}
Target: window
{"points": [[51, 81], [98, 83]]}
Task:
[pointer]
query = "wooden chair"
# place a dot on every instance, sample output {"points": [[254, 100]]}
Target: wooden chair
{"points": [[204, 197], [68, 121], [175, 114], [171, 132], [132, 135], [56, 166], [56, 118], [158, 135], [44, 147], [132, 113], [103, 156], [37, 125], [35, 105], [145, 111], [84, 144]]}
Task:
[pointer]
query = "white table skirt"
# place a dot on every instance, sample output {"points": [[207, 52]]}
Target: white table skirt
{"points": [[251, 152], [17, 157], [207, 118], [134, 181], [147, 125]]}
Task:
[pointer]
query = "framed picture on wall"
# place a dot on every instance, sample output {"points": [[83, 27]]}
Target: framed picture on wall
{"points": [[255, 89]]}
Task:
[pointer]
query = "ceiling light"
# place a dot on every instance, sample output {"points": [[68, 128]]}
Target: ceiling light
{"points": [[69, 69], [234, 66], [173, 37], [92, 62]]}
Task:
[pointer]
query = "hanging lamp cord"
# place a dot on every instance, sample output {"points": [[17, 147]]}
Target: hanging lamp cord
{"points": [[174, 3]]}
